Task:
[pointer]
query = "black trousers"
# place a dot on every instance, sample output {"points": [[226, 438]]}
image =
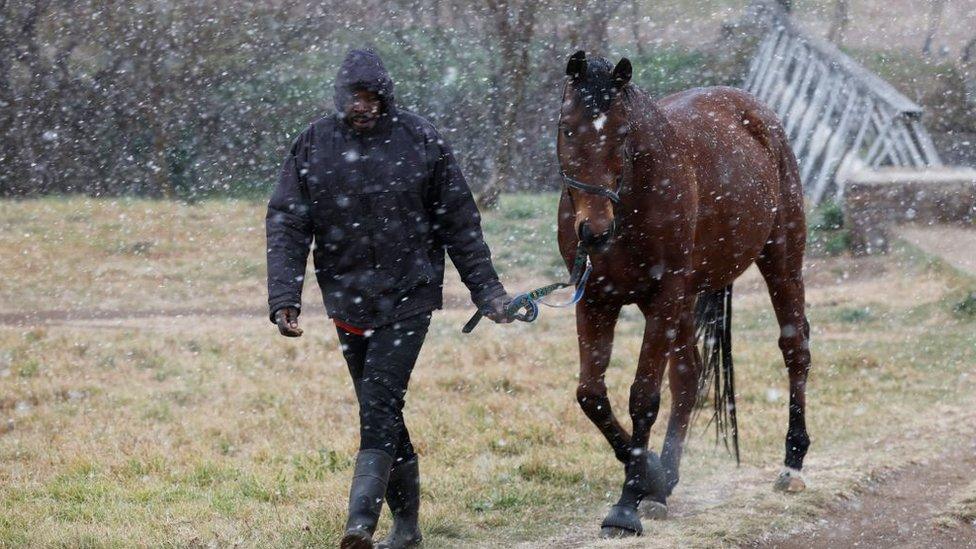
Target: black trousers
{"points": [[380, 363]]}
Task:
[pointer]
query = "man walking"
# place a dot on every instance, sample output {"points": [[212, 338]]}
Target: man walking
{"points": [[380, 193]]}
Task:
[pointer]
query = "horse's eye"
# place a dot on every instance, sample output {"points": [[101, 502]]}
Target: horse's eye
{"points": [[567, 132]]}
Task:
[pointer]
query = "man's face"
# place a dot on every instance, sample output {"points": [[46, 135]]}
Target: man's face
{"points": [[364, 110]]}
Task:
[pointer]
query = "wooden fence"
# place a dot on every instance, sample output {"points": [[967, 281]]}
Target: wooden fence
{"points": [[837, 114]]}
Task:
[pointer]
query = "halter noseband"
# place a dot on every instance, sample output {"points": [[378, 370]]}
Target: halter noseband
{"points": [[614, 196]]}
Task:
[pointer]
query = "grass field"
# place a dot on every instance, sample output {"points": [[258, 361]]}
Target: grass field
{"points": [[146, 400]]}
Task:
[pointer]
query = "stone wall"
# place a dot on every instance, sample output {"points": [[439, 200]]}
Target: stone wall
{"points": [[874, 200]]}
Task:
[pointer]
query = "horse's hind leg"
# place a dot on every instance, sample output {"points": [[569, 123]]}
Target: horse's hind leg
{"points": [[683, 373], [781, 265], [594, 325]]}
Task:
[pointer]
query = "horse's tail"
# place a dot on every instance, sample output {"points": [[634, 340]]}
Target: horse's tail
{"points": [[713, 331]]}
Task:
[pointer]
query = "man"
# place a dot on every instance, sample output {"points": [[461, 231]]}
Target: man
{"points": [[380, 193]]}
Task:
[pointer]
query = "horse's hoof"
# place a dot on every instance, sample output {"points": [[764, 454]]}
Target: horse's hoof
{"points": [[790, 482], [656, 483], [612, 532], [653, 510], [622, 521]]}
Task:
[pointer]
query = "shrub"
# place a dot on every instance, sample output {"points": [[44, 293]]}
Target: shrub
{"points": [[967, 307]]}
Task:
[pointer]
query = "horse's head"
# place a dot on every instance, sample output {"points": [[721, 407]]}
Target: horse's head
{"points": [[593, 130]]}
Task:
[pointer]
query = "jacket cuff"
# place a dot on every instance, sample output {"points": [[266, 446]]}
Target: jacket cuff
{"points": [[489, 292], [281, 304]]}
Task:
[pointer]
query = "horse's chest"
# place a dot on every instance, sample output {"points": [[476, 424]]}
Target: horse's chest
{"points": [[628, 279]]}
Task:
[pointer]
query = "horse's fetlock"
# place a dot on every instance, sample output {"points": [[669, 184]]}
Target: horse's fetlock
{"points": [[799, 442]]}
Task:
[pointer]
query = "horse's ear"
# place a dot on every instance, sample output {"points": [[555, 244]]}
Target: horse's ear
{"points": [[622, 73], [576, 67]]}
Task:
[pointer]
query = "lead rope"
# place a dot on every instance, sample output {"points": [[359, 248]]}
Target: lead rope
{"points": [[529, 301]]}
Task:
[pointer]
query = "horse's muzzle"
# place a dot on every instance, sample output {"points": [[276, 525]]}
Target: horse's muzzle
{"points": [[595, 242]]}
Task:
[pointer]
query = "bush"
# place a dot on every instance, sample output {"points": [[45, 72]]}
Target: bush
{"points": [[826, 235], [967, 307]]}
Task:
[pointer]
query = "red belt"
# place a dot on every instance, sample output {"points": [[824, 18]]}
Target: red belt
{"points": [[349, 328]]}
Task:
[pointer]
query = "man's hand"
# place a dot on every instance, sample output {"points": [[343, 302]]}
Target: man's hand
{"points": [[496, 309], [287, 320]]}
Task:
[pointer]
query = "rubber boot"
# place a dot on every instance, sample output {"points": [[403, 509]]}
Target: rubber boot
{"points": [[366, 498], [403, 496]]}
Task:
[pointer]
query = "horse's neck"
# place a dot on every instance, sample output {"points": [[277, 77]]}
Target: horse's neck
{"points": [[653, 148], [655, 138]]}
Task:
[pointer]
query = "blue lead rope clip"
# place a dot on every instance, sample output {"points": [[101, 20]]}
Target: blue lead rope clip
{"points": [[529, 301]]}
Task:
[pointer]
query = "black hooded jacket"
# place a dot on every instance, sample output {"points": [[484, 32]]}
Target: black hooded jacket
{"points": [[381, 207]]}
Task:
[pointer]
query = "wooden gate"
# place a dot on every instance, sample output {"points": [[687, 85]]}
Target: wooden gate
{"points": [[837, 114]]}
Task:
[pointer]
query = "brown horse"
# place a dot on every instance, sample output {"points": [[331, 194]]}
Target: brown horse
{"points": [[673, 200]]}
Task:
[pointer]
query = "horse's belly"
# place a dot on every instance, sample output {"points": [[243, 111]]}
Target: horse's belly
{"points": [[722, 255]]}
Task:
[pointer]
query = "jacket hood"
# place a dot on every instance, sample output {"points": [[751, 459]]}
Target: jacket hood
{"points": [[363, 69]]}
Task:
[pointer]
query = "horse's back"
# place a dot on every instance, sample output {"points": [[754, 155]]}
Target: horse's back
{"points": [[730, 139]]}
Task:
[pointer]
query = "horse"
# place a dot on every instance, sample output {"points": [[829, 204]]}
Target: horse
{"points": [[673, 200]]}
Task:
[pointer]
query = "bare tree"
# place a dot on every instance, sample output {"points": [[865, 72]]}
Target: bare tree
{"points": [[935, 21], [967, 66], [588, 25], [635, 25], [839, 22], [514, 24]]}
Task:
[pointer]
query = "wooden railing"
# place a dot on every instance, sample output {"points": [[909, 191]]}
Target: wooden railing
{"points": [[837, 114]]}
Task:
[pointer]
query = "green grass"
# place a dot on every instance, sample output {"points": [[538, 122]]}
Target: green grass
{"points": [[522, 236]]}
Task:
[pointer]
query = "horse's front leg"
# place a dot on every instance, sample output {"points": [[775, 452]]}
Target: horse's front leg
{"points": [[595, 322], [644, 476]]}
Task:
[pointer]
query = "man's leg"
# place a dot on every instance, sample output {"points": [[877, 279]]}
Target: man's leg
{"points": [[403, 490], [372, 467], [391, 352], [354, 351]]}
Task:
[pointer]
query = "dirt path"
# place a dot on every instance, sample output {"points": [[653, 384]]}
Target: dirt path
{"points": [[820, 272], [878, 498], [955, 245], [898, 510], [152, 318]]}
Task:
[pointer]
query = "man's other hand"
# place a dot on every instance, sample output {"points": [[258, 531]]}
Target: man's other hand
{"points": [[287, 320], [496, 309]]}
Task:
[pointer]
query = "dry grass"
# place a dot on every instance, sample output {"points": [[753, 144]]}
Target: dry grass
{"points": [[889, 26], [211, 430], [961, 510]]}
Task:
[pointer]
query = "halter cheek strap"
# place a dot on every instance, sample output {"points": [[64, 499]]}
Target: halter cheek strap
{"points": [[614, 196]]}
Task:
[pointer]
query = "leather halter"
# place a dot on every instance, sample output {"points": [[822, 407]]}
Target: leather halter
{"points": [[614, 196]]}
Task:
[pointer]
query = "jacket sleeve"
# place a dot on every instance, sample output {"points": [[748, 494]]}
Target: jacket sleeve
{"points": [[289, 229], [456, 223]]}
